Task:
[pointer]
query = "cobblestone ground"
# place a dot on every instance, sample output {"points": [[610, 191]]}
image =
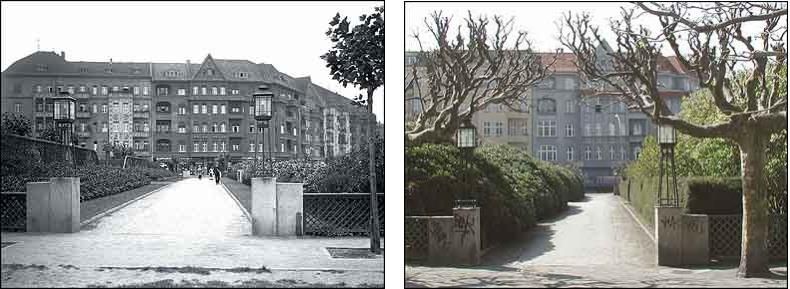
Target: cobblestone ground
{"points": [[189, 234], [595, 243]]}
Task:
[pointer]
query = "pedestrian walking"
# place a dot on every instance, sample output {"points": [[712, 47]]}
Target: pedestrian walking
{"points": [[217, 174]]}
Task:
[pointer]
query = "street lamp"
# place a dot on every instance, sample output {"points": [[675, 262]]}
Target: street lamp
{"points": [[667, 195], [466, 141], [262, 100], [64, 115]]}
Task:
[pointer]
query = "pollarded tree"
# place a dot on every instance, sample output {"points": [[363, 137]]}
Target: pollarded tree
{"points": [[742, 72], [468, 72], [357, 57]]}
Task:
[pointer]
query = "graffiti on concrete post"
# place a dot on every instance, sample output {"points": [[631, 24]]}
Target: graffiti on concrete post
{"points": [[463, 225], [693, 226], [669, 222], [439, 235]]}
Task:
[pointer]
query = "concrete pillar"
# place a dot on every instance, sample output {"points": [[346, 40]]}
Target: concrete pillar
{"points": [[264, 206], [54, 206], [440, 231], [37, 200], [695, 239], [466, 235], [289, 205], [668, 235]]}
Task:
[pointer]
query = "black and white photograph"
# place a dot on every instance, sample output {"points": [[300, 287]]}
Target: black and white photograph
{"points": [[192, 144]]}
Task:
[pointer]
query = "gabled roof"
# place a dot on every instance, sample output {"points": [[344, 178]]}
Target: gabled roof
{"points": [[208, 63]]}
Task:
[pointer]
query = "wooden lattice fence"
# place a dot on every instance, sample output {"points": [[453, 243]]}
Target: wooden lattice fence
{"points": [[339, 214], [416, 237], [13, 211], [725, 237]]}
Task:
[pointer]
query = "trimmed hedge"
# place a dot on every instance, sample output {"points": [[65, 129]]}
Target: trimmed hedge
{"points": [[714, 196], [512, 189], [96, 181]]}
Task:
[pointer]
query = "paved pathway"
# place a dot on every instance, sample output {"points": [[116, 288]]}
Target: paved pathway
{"points": [[191, 230], [190, 207], [595, 243]]}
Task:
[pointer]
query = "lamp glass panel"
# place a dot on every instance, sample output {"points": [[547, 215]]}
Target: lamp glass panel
{"points": [[466, 137], [666, 134]]}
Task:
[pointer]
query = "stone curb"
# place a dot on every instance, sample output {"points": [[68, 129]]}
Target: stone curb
{"points": [[121, 206], [638, 221], [238, 203]]}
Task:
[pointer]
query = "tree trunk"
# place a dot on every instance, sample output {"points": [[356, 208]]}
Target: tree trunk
{"points": [[754, 257], [375, 241]]}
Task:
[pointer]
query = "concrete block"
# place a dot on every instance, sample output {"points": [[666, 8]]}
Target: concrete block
{"points": [[37, 206], [695, 239], [289, 204], [440, 240], [65, 205], [466, 235], [669, 235], [264, 206]]}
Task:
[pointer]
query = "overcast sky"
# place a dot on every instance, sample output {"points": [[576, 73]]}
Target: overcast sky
{"points": [[289, 35], [538, 19]]}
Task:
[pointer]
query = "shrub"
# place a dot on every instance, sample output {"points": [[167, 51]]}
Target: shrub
{"points": [[714, 196], [513, 190]]}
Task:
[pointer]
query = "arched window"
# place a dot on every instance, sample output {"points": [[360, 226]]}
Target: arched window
{"points": [[163, 145], [547, 105]]}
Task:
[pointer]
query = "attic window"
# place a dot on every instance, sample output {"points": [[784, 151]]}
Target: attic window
{"points": [[209, 71], [171, 73], [243, 75], [42, 67], [282, 78], [83, 69]]}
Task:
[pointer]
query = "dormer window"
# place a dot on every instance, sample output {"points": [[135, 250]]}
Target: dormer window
{"points": [[244, 75], [171, 73], [83, 69], [42, 67], [209, 71]]}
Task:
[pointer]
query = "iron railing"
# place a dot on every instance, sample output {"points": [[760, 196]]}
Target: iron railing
{"points": [[33, 149], [13, 211], [341, 214]]}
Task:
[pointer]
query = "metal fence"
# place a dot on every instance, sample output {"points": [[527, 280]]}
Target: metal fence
{"points": [[13, 211], [725, 237], [416, 237], [339, 214], [33, 149]]}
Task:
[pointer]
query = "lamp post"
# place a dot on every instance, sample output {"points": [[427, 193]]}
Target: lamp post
{"points": [[466, 141], [64, 115], [667, 195], [263, 109]]}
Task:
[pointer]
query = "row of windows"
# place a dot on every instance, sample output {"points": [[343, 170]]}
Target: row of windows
{"points": [[549, 153], [94, 90]]}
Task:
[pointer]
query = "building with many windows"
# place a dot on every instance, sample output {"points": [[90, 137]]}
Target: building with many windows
{"points": [[192, 112], [569, 123]]}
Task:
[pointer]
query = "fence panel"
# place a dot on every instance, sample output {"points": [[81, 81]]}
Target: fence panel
{"points": [[339, 214], [416, 237], [725, 237], [13, 212]]}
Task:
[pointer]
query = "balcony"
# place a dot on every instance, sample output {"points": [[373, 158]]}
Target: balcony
{"points": [[83, 114], [83, 134], [140, 134], [140, 115]]}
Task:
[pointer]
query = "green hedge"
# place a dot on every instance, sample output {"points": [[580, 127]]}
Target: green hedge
{"points": [[513, 189], [95, 180]]}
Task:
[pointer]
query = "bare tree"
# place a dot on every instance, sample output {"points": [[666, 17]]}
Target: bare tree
{"points": [[467, 73], [743, 74]]}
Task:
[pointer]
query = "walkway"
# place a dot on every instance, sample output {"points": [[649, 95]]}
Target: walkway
{"points": [[595, 243], [191, 230], [190, 207]]}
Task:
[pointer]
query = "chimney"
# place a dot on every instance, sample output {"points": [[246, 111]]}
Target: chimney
{"points": [[63, 55], [189, 66]]}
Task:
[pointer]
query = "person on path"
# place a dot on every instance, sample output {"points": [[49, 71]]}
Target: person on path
{"points": [[217, 174]]}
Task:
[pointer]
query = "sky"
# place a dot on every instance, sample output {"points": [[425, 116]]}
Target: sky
{"points": [[288, 35], [540, 20]]}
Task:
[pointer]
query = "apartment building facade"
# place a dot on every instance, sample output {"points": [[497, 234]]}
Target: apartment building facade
{"points": [[190, 112], [566, 122]]}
